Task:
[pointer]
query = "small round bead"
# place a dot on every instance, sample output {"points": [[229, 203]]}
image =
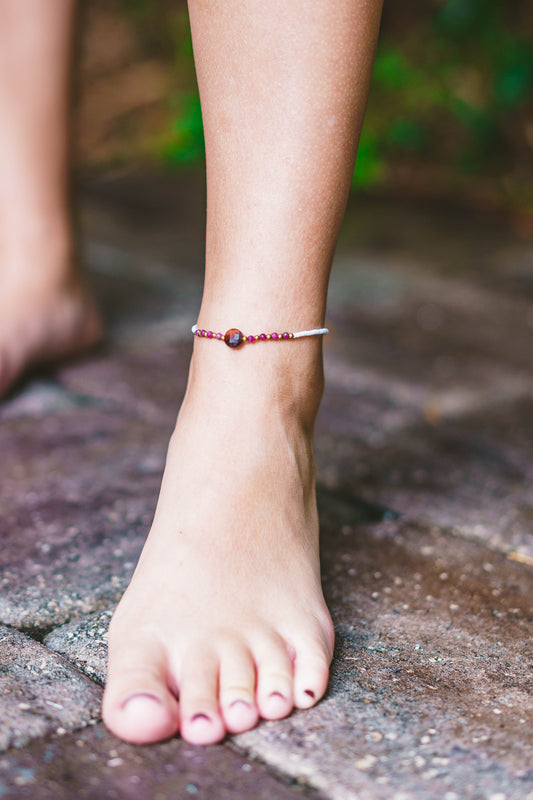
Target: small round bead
{"points": [[268, 336], [275, 336], [233, 337], [218, 336], [202, 332], [291, 335], [209, 334], [251, 338], [285, 335], [256, 338], [262, 336]]}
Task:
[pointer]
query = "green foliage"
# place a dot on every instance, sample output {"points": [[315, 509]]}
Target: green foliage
{"points": [[184, 142], [451, 88], [453, 93]]}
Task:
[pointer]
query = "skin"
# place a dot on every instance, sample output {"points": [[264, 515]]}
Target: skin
{"points": [[46, 312], [224, 621], [226, 608]]}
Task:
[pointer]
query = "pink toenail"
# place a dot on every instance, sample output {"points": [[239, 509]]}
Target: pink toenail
{"points": [[240, 703], [278, 694], [141, 695], [200, 716]]}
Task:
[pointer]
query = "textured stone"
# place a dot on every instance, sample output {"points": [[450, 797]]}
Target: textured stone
{"points": [[84, 643], [136, 378], [431, 683], [78, 493], [473, 473], [431, 688], [40, 692], [94, 765]]}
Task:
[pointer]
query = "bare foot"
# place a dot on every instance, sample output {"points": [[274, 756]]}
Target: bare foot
{"points": [[44, 317], [225, 610]]}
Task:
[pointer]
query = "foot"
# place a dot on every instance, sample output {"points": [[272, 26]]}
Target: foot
{"points": [[224, 621], [45, 316]]}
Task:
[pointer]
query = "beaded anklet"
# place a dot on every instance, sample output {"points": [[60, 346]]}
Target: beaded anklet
{"points": [[234, 337]]}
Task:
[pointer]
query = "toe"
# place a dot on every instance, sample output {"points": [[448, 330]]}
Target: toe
{"points": [[200, 718], [311, 672], [237, 688], [138, 705], [274, 678]]}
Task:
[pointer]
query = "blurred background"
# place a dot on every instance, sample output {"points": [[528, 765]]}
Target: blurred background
{"points": [[450, 112]]}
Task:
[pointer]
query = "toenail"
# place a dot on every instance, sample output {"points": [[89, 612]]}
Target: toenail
{"points": [[200, 716], [240, 703], [140, 695], [309, 693], [278, 694]]}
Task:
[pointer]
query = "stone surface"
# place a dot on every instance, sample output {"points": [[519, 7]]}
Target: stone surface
{"points": [[84, 643], [473, 473], [93, 765], [40, 693], [432, 683], [424, 454], [78, 493]]}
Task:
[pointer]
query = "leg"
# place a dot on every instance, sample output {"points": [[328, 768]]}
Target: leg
{"points": [[45, 312], [225, 608]]}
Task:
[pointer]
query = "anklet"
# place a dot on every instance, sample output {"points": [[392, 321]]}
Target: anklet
{"points": [[234, 337]]}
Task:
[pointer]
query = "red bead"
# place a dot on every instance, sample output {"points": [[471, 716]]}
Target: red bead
{"points": [[234, 337]]}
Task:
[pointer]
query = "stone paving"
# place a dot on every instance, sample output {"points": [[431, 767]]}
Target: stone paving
{"points": [[425, 473]]}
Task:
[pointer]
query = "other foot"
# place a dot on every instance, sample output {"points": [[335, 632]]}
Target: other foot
{"points": [[42, 319]]}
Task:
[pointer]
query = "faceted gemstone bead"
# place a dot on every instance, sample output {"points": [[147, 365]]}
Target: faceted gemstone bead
{"points": [[209, 334], [285, 335], [251, 338], [218, 336], [233, 337], [202, 332], [275, 336], [262, 336]]}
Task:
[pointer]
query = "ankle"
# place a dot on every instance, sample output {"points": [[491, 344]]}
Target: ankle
{"points": [[283, 377]]}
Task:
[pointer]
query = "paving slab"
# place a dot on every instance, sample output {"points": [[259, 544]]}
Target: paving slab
{"points": [[94, 765], [135, 379], [431, 691], [447, 340], [41, 693], [84, 642], [473, 473], [78, 493]]}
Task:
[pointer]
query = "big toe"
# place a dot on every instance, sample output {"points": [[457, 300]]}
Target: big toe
{"points": [[138, 705]]}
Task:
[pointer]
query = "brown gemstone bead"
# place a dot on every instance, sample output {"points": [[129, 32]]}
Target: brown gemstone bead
{"points": [[234, 337]]}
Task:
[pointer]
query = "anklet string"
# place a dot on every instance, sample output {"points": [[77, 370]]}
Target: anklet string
{"points": [[235, 338]]}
